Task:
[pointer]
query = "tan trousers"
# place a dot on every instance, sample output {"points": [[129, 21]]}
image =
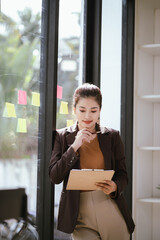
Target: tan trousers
{"points": [[99, 218]]}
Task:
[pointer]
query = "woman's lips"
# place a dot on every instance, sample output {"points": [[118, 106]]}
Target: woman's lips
{"points": [[87, 122]]}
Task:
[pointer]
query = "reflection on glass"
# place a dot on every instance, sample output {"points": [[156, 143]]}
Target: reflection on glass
{"points": [[19, 95], [69, 72]]}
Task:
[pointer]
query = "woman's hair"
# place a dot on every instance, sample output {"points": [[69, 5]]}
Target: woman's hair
{"points": [[87, 90]]}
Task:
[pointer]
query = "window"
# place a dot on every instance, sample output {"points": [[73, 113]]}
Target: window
{"points": [[21, 86], [111, 63], [20, 24]]}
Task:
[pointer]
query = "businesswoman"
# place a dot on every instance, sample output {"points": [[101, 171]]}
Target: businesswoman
{"points": [[91, 215]]}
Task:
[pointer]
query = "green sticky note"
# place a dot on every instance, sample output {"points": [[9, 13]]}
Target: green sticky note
{"points": [[63, 108], [9, 110], [21, 125], [70, 123], [5, 112], [35, 99]]}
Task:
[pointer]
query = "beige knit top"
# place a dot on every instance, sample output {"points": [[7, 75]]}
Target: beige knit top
{"points": [[91, 156]]}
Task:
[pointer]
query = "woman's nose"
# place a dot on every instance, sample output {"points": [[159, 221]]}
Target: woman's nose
{"points": [[87, 115]]}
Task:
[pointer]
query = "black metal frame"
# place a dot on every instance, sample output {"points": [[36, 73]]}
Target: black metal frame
{"points": [[47, 116], [92, 41], [127, 84]]}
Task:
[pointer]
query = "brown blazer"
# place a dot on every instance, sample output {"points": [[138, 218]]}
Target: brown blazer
{"points": [[64, 159]]}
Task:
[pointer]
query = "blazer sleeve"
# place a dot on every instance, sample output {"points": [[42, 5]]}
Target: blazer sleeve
{"points": [[120, 177], [62, 161]]}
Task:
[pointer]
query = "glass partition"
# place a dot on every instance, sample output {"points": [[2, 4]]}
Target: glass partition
{"points": [[20, 24], [111, 63], [69, 72]]}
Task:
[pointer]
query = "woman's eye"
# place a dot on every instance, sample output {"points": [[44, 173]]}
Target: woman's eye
{"points": [[93, 111], [82, 111]]}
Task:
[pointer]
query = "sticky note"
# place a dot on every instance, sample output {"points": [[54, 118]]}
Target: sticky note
{"points": [[9, 110], [21, 125], [5, 112], [59, 92], [70, 123], [22, 97], [63, 107], [73, 112], [35, 99]]}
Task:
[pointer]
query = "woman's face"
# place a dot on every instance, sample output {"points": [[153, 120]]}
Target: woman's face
{"points": [[87, 112]]}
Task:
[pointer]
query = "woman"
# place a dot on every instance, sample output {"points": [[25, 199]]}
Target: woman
{"points": [[89, 215]]}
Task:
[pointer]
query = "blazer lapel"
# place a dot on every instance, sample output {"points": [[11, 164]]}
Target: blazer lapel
{"points": [[105, 145], [71, 133]]}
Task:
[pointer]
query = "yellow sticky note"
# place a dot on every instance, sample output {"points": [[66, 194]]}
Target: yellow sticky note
{"points": [[21, 125], [35, 99], [70, 123], [5, 112], [63, 107], [73, 112], [9, 110]]}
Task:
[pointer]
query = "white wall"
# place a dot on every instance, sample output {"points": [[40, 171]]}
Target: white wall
{"points": [[111, 63]]}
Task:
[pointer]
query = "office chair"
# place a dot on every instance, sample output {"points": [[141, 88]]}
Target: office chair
{"points": [[13, 205]]}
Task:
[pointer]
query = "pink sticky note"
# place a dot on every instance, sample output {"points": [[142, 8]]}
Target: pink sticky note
{"points": [[22, 97], [59, 92]]}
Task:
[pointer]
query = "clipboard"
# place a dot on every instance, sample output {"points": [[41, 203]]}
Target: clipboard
{"points": [[85, 179]]}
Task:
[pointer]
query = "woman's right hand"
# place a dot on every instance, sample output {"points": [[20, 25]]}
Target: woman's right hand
{"points": [[82, 136]]}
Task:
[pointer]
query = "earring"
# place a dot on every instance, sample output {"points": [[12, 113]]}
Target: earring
{"points": [[98, 121]]}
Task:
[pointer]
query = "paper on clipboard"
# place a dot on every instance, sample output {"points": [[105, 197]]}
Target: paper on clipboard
{"points": [[85, 179]]}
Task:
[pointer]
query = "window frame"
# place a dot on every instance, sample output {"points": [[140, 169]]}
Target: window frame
{"points": [[92, 41], [47, 116]]}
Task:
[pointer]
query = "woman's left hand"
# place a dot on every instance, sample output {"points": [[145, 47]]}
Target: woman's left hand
{"points": [[108, 186]]}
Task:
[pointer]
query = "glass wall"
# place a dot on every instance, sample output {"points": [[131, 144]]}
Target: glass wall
{"points": [[69, 72], [19, 95], [111, 63]]}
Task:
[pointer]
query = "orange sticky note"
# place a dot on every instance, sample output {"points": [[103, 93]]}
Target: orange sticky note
{"points": [[21, 125], [63, 107], [59, 92], [35, 99], [9, 110], [70, 123], [22, 97]]}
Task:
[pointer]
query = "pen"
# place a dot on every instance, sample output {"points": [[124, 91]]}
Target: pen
{"points": [[96, 132]]}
